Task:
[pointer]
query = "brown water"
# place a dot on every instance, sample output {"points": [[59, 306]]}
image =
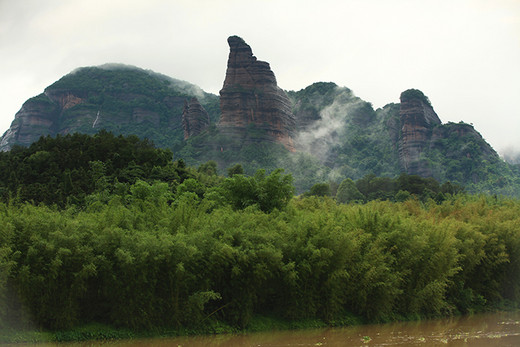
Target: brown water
{"points": [[496, 329]]}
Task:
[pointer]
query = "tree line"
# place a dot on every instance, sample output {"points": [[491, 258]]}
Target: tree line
{"points": [[67, 169], [370, 187]]}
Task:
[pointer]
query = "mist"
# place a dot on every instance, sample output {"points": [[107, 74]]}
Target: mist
{"points": [[324, 134], [511, 155]]}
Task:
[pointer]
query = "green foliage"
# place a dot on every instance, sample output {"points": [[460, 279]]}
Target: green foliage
{"points": [[67, 169], [400, 189], [319, 189], [414, 94], [270, 192], [209, 168], [139, 261], [236, 169], [347, 192]]}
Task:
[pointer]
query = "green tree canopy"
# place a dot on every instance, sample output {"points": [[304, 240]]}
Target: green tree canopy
{"points": [[269, 192], [347, 192]]}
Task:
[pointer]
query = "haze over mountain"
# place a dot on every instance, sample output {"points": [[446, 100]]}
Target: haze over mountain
{"points": [[462, 54], [323, 132]]}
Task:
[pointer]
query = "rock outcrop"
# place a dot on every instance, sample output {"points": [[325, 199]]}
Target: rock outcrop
{"points": [[195, 119], [429, 148], [417, 122], [253, 107], [36, 118]]}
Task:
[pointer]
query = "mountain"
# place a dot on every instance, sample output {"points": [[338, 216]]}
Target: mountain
{"points": [[320, 133], [352, 139], [118, 98]]}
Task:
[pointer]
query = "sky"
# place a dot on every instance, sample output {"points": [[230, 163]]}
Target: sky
{"points": [[463, 54]]}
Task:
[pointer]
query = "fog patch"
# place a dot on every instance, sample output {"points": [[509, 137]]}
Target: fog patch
{"points": [[325, 133], [315, 144], [511, 155], [188, 88], [176, 84]]}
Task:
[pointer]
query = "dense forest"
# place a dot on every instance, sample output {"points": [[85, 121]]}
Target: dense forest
{"points": [[108, 229]]}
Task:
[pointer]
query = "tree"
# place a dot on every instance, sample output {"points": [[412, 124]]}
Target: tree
{"points": [[320, 189], [236, 169], [208, 168], [347, 191], [275, 190], [270, 192]]}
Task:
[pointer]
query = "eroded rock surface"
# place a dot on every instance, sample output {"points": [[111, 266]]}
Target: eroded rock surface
{"points": [[195, 119], [417, 122], [253, 107], [36, 118]]}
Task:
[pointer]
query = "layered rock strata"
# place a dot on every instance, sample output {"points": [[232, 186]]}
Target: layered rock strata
{"points": [[195, 119], [417, 122], [36, 118], [253, 107]]}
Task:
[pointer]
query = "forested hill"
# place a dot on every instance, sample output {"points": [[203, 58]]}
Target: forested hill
{"points": [[118, 98], [333, 134], [352, 139]]}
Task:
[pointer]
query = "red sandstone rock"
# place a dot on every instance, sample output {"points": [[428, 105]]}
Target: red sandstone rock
{"points": [[251, 98], [195, 119], [417, 121], [68, 101]]}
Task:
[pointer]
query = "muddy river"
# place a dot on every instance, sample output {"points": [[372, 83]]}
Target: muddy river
{"points": [[496, 329]]}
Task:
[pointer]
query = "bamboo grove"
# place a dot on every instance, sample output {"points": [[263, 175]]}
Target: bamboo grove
{"points": [[201, 248]]}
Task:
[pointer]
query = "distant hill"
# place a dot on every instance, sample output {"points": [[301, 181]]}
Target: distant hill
{"points": [[118, 98], [320, 133], [352, 139]]}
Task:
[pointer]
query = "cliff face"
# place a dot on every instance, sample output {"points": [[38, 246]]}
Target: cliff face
{"points": [[418, 119], [251, 100], [36, 118], [195, 119]]}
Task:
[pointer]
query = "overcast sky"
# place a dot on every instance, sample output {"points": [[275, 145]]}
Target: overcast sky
{"points": [[463, 54]]}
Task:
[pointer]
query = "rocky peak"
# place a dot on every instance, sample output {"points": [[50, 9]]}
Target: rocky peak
{"points": [[244, 69], [250, 99], [416, 108], [195, 119], [417, 121]]}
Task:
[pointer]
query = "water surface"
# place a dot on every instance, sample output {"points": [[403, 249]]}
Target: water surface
{"points": [[495, 329]]}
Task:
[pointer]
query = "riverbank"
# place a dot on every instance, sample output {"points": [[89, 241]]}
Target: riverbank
{"points": [[105, 332], [483, 329]]}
